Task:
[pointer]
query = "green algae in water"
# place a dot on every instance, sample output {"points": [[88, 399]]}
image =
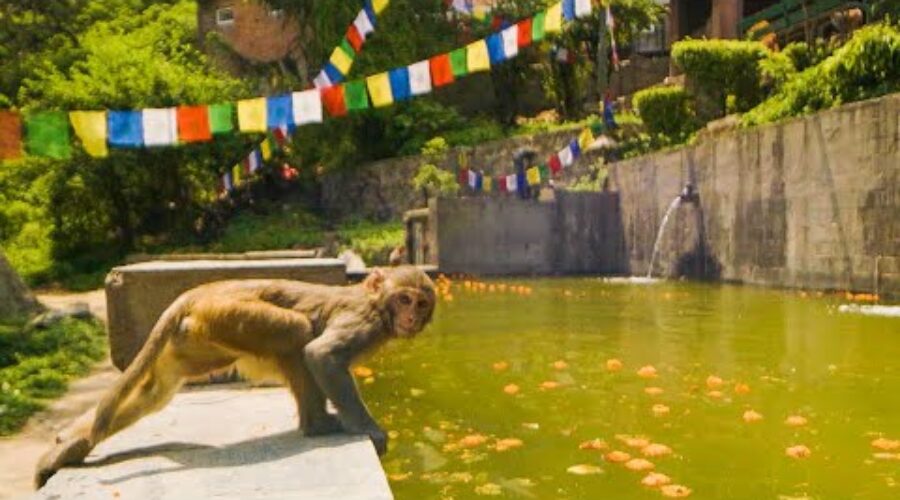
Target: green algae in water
{"points": [[459, 431]]}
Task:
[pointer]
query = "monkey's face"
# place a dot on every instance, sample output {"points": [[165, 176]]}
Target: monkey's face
{"points": [[411, 311]]}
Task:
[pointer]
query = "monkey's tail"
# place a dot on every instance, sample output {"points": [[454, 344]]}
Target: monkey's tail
{"points": [[162, 332]]}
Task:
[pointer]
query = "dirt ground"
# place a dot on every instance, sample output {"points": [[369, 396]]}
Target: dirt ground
{"points": [[19, 454]]}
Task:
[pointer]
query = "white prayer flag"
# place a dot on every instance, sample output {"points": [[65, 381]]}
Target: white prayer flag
{"points": [[321, 80], [582, 8], [160, 127], [420, 78], [510, 41], [565, 156], [307, 106], [363, 24], [511, 183], [473, 179]]}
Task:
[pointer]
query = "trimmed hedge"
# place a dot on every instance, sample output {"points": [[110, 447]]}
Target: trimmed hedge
{"points": [[666, 110]]}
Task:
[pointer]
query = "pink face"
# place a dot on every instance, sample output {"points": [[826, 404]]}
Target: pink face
{"points": [[412, 310]]}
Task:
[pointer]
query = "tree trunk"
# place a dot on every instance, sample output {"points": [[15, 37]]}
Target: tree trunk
{"points": [[15, 299]]}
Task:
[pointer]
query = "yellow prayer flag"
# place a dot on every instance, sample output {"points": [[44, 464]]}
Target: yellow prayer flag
{"points": [[252, 115], [486, 184], [380, 5], [585, 139], [236, 175], [553, 20], [477, 56], [341, 60], [380, 90], [91, 128], [480, 12], [534, 176], [266, 149]]}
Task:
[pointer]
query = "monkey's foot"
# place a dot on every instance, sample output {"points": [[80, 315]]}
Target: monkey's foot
{"points": [[321, 425], [71, 452]]}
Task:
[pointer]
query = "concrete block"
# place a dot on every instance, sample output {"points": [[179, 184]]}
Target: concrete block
{"points": [[137, 294], [228, 444]]}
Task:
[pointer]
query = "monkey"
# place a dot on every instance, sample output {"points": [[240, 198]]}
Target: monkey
{"points": [[398, 256], [306, 334]]}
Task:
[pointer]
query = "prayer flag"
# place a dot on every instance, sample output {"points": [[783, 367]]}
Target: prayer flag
{"points": [[525, 27], [565, 156], [582, 8], [227, 184], [522, 184], [354, 38], [576, 150], [473, 179], [479, 181], [419, 78], [477, 57], [458, 62], [379, 5], [441, 70], [568, 9], [399, 83], [253, 161], [553, 21], [463, 176], [511, 183], [193, 124], [126, 129], [10, 135], [487, 182], [609, 119], [586, 138], [279, 111], [333, 74], [47, 134], [91, 127], [534, 176], [160, 127], [544, 171], [341, 61], [501, 184], [348, 49], [380, 90], [333, 100], [363, 25], [355, 93], [510, 41], [236, 175], [321, 80], [307, 107], [265, 149], [252, 115], [537, 27], [221, 118], [495, 48], [281, 136], [555, 164]]}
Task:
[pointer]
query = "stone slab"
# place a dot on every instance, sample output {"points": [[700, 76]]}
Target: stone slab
{"points": [[137, 294], [228, 444]]}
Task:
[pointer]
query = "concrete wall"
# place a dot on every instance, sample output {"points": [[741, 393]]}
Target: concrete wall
{"points": [[812, 202]]}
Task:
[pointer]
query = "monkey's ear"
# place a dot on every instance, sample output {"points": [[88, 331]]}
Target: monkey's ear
{"points": [[375, 281]]}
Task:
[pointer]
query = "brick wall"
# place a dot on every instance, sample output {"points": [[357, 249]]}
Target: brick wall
{"points": [[255, 34]]}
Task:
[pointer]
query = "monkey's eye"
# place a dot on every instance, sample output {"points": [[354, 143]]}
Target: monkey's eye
{"points": [[405, 300], [423, 304]]}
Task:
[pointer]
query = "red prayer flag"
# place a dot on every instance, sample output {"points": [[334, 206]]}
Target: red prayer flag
{"points": [[441, 70], [10, 135], [524, 32], [193, 124], [464, 176], [333, 100], [501, 183], [555, 164], [353, 36]]}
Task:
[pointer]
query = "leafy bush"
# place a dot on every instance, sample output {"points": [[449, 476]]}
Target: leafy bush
{"points": [[434, 181], [867, 66], [373, 241], [716, 69], [666, 110]]}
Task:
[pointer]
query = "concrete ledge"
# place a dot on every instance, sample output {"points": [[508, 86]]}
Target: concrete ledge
{"points": [[230, 443]]}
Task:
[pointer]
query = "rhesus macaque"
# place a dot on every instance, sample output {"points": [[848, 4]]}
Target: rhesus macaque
{"points": [[398, 256], [305, 334]]}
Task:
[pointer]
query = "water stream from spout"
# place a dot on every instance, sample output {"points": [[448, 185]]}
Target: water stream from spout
{"points": [[659, 234]]}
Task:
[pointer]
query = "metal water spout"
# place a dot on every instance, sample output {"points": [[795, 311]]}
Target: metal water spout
{"points": [[689, 195]]}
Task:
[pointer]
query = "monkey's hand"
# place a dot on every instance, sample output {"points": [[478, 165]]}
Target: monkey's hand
{"points": [[376, 434]]}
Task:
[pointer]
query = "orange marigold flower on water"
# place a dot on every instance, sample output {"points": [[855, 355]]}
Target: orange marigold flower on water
{"points": [[593, 444], [655, 480], [675, 491], [741, 389], [795, 421], [560, 365], [549, 384], [886, 444], [648, 371], [653, 391], [714, 382], [751, 416], [613, 365], [500, 366], [617, 457], [660, 410], [633, 441], [798, 451], [362, 371], [511, 389], [656, 450], [472, 440], [639, 464], [507, 444]]}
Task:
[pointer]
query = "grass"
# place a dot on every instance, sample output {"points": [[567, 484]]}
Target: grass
{"points": [[37, 365]]}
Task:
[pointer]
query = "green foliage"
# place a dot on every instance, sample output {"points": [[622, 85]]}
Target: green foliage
{"points": [[275, 227], [867, 66], [373, 241], [721, 68], [434, 181], [666, 110], [36, 365]]}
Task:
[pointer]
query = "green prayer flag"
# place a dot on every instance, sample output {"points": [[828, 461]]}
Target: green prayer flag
{"points": [[221, 118], [355, 95], [545, 172], [347, 48], [47, 134], [458, 62], [597, 128], [537, 26]]}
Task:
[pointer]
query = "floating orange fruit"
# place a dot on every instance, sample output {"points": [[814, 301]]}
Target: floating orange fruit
{"points": [[656, 450], [639, 464], [653, 391], [472, 440], [660, 410], [362, 371], [714, 382], [593, 444], [500, 366], [751, 416], [617, 457], [886, 444], [741, 389], [511, 389], [507, 444], [560, 365], [550, 384], [795, 421], [613, 365], [655, 480], [675, 491], [647, 372], [798, 451]]}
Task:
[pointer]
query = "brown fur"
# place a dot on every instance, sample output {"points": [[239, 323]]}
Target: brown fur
{"points": [[302, 334]]}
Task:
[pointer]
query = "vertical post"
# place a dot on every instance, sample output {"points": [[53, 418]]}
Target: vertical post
{"points": [[602, 59]]}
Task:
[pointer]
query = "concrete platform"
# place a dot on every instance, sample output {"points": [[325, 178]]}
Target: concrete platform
{"points": [[229, 444]]}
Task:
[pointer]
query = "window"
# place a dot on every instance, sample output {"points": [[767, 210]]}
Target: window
{"points": [[225, 16]]}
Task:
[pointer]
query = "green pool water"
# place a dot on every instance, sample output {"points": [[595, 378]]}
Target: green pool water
{"points": [[797, 354]]}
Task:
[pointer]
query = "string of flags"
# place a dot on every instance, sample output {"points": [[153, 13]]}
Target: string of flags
{"points": [[342, 57], [47, 133]]}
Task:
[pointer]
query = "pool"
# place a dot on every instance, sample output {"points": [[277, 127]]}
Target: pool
{"points": [[511, 393]]}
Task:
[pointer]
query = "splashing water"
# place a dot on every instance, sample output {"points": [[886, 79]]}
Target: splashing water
{"points": [[662, 228]]}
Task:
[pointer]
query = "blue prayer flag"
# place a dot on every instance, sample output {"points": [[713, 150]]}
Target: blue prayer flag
{"points": [[495, 48], [568, 10], [126, 129], [400, 83], [576, 149], [279, 111], [522, 184], [370, 11], [333, 73], [479, 182]]}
